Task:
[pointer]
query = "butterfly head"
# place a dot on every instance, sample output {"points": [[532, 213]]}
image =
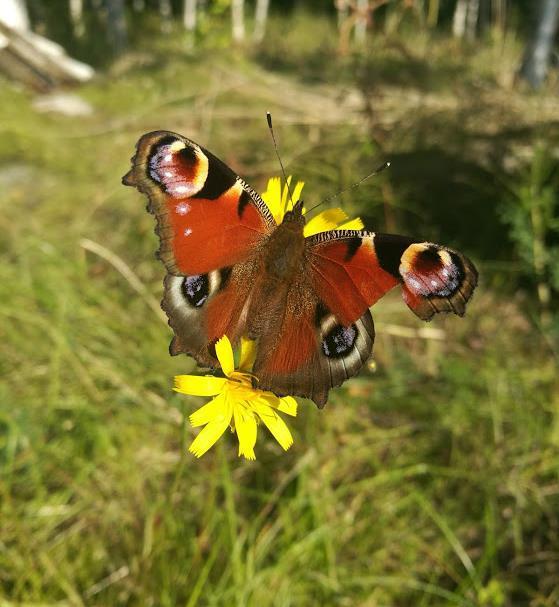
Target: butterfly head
{"points": [[295, 216]]}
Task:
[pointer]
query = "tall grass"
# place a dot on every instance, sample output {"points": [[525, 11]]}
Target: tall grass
{"points": [[430, 481]]}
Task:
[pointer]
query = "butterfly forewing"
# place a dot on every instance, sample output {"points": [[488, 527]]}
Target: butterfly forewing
{"points": [[207, 217]]}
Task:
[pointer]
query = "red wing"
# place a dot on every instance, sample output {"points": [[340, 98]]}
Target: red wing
{"points": [[351, 270], [325, 332], [346, 273], [207, 217], [307, 351], [204, 307]]}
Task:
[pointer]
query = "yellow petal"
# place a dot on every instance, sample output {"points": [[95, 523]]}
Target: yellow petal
{"points": [[277, 198], [207, 438], [196, 385], [248, 354], [327, 220], [284, 201], [272, 198], [269, 399], [215, 410], [245, 426], [274, 423], [297, 192], [224, 353], [288, 405], [210, 433], [352, 224]]}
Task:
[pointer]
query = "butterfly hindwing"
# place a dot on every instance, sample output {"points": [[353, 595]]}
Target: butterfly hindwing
{"points": [[310, 351], [204, 307]]}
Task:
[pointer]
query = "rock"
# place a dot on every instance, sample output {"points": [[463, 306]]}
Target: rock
{"points": [[67, 104]]}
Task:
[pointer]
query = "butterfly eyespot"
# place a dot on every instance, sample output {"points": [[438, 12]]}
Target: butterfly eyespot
{"points": [[196, 289], [431, 271], [339, 341], [180, 170]]}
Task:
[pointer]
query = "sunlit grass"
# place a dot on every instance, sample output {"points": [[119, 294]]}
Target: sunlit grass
{"points": [[432, 481]]}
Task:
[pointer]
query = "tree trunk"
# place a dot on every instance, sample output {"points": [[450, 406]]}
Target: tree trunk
{"points": [[472, 19], [433, 13], [343, 12], [38, 62], [459, 19], [362, 12], [536, 56], [189, 21], [499, 14], [116, 23], [76, 13], [238, 19], [166, 12], [189, 15], [260, 18]]}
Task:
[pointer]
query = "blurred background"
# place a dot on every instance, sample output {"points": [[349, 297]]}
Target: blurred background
{"points": [[433, 477]]}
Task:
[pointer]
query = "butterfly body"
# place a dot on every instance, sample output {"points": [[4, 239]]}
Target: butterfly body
{"points": [[233, 270], [285, 248]]}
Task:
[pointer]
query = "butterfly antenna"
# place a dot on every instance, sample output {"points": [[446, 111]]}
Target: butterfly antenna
{"points": [[269, 119], [378, 170]]}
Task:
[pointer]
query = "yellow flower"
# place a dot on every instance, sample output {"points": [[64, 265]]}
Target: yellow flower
{"points": [[236, 403], [279, 202]]}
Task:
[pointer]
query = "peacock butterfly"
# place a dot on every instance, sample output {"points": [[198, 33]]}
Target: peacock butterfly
{"points": [[232, 270]]}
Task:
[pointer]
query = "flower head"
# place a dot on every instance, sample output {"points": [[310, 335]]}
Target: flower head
{"points": [[279, 202], [235, 404]]}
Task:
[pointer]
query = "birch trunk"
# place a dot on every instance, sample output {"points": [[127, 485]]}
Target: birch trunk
{"points": [[76, 14], [536, 57], [116, 24], [238, 19], [189, 15], [472, 19], [433, 13], [165, 11], [459, 19], [260, 19], [360, 31], [343, 11]]}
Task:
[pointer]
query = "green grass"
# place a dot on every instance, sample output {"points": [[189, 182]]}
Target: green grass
{"points": [[433, 481]]}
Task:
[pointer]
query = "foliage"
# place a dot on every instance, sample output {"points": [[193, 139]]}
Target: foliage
{"points": [[533, 217]]}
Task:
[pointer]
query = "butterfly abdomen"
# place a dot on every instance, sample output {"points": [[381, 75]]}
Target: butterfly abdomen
{"points": [[281, 261]]}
